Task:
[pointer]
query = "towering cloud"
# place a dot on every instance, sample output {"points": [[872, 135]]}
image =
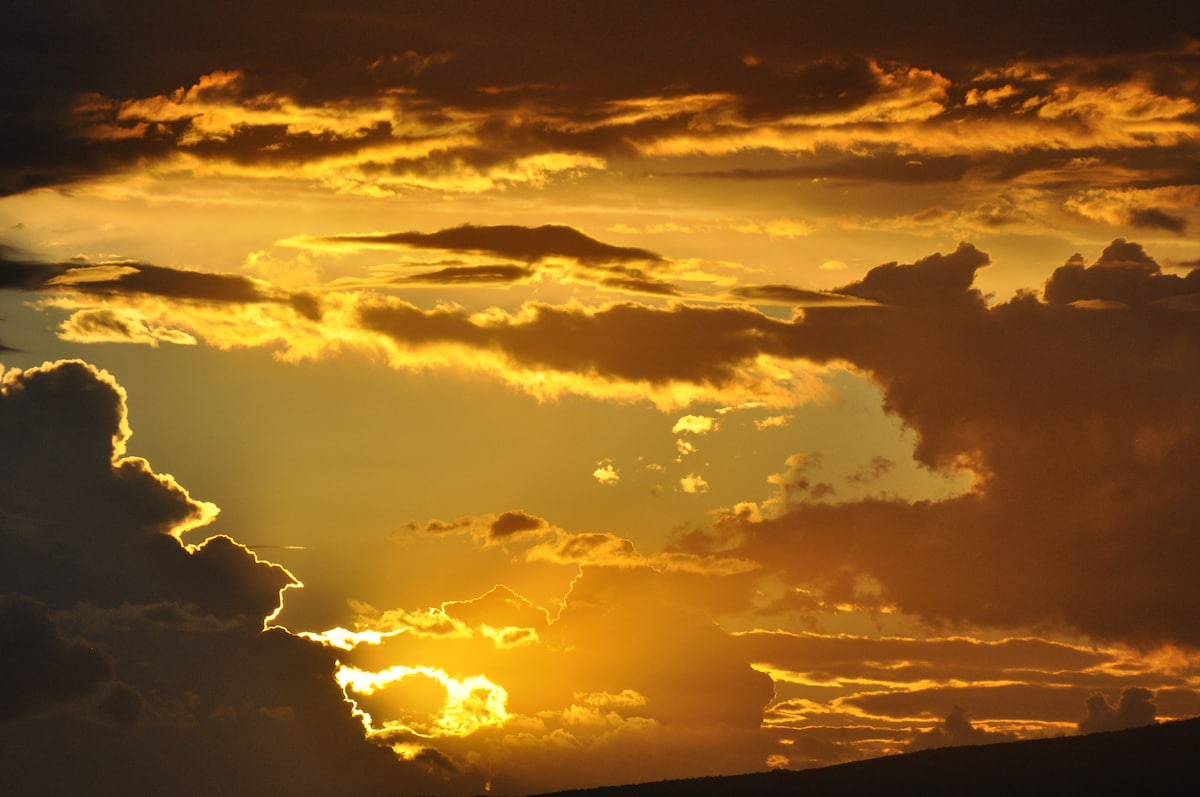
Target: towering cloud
{"points": [[125, 649], [1075, 537]]}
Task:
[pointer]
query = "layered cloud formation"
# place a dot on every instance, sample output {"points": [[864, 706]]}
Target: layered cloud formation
{"points": [[769, 386]]}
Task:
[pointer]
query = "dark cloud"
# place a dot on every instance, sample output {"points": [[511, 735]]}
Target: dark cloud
{"points": [[1113, 395], [89, 525], [38, 668], [91, 538], [940, 280], [129, 277], [278, 145], [772, 91], [528, 244], [647, 285], [955, 731], [1135, 708], [515, 522], [1124, 274], [875, 470], [1155, 219], [624, 341], [1000, 702], [535, 80], [18, 275], [788, 295], [470, 275], [121, 704], [169, 283], [925, 659]]}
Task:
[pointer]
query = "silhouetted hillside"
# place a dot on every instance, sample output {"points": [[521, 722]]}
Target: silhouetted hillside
{"points": [[1156, 759]]}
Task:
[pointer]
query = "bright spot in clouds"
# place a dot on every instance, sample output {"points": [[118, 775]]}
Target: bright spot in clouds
{"points": [[694, 424], [606, 473]]}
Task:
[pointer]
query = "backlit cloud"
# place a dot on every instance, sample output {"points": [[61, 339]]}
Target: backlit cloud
{"points": [[145, 641], [1006, 382], [665, 391]]}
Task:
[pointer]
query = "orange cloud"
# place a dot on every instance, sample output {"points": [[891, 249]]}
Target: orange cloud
{"points": [[638, 660]]}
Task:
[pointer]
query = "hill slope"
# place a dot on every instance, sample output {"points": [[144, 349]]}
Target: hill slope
{"points": [[1156, 759]]}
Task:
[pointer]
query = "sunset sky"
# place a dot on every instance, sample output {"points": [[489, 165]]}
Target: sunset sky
{"points": [[432, 398]]}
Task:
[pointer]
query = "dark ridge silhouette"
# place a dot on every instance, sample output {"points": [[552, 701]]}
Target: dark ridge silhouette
{"points": [[1155, 759]]}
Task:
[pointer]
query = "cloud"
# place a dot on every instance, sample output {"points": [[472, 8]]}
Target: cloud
{"points": [[118, 325], [981, 387], [987, 391], [515, 522], [105, 524], [526, 244], [648, 669], [127, 278], [694, 424], [1123, 275], [934, 280], [430, 101], [38, 668], [794, 485], [789, 295], [563, 251], [875, 470], [469, 275], [955, 731], [125, 643], [1135, 708], [658, 353], [1155, 219], [606, 473], [533, 540], [815, 658]]}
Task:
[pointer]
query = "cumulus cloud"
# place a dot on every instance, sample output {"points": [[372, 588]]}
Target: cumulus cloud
{"points": [[934, 280], [1135, 708], [1124, 275], [161, 639], [38, 668], [955, 731], [606, 473], [988, 391], [515, 522]]}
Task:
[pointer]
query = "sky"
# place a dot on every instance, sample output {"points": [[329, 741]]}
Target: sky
{"points": [[444, 398]]}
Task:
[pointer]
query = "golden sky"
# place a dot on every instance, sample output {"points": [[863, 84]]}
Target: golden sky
{"points": [[421, 398]]}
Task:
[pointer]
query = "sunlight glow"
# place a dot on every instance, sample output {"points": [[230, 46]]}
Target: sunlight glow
{"points": [[470, 704]]}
